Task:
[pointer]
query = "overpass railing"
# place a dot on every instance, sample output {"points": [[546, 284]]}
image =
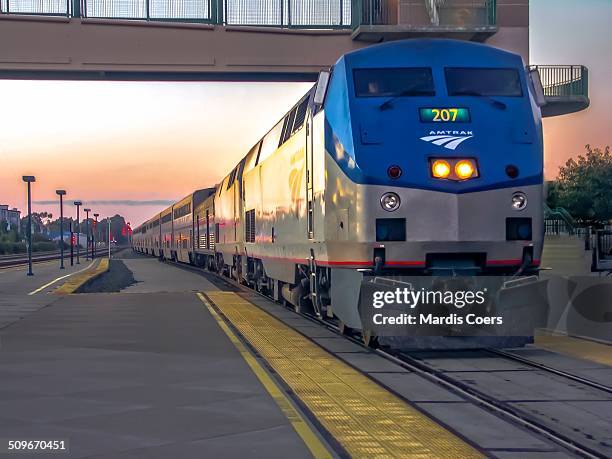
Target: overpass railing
{"points": [[328, 14], [564, 80], [425, 13], [36, 7], [288, 13]]}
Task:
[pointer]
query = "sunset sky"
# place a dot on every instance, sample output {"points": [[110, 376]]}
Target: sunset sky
{"points": [[105, 142]]}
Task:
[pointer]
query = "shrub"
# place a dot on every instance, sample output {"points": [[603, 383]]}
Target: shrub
{"points": [[43, 246]]}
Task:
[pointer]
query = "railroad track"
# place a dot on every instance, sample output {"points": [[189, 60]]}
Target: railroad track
{"points": [[37, 257], [475, 396], [556, 371], [13, 256], [493, 404]]}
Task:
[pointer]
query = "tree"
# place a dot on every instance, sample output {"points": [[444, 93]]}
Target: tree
{"points": [[38, 225], [584, 186]]}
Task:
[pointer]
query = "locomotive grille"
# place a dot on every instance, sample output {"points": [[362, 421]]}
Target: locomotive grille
{"points": [[249, 225]]}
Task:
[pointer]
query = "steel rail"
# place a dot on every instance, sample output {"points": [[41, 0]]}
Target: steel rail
{"points": [[556, 371], [37, 258], [11, 256]]}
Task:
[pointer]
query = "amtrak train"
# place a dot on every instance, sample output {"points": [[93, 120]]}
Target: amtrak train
{"points": [[407, 157]]}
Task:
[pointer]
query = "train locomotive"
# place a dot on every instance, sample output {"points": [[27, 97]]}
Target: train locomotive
{"points": [[411, 157]]}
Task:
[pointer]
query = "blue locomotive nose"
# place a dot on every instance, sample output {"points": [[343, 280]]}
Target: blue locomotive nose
{"points": [[407, 104]]}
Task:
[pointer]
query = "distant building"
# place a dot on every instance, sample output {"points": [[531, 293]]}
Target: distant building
{"points": [[10, 215]]}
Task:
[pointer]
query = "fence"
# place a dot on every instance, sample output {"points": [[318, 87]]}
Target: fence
{"points": [[329, 14], [604, 244], [556, 226], [178, 10], [288, 13], [563, 80], [37, 7]]}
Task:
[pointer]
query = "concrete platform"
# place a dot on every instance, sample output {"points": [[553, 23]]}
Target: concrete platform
{"points": [[134, 376], [20, 295], [152, 276]]}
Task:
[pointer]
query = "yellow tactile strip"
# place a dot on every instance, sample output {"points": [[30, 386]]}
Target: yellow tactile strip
{"points": [[575, 347], [367, 420], [75, 282]]}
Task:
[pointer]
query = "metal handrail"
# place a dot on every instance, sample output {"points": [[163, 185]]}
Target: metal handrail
{"points": [[37, 7], [301, 14], [563, 80], [330, 14], [475, 13]]}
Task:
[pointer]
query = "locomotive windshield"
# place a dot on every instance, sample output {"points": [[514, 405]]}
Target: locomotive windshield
{"points": [[393, 82], [483, 82]]}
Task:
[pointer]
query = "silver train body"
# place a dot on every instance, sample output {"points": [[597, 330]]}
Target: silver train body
{"points": [[289, 221]]}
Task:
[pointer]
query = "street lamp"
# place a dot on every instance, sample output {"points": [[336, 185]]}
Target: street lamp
{"points": [[93, 236], [78, 204], [29, 179], [109, 238], [61, 194], [87, 233]]}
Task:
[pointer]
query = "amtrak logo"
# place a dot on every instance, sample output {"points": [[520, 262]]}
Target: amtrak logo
{"points": [[448, 139]]}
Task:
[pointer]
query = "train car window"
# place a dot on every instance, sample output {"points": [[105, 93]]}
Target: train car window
{"points": [[258, 153], [251, 158], [232, 176], [300, 115], [483, 82], [221, 187], [288, 126], [182, 211], [240, 169], [166, 218], [393, 82], [270, 142]]}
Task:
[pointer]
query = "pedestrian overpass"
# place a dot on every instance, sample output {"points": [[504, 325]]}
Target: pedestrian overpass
{"points": [[249, 40]]}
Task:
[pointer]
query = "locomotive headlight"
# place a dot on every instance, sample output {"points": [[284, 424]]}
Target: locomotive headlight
{"points": [[440, 169], [464, 169], [519, 200], [390, 201]]}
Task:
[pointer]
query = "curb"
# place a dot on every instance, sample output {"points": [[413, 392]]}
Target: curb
{"points": [[76, 282]]}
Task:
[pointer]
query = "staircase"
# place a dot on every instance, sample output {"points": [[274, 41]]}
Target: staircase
{"points": [[566, 256]]}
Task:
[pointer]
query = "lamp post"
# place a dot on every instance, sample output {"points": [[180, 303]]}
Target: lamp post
{"points": [[109, 238], [61, 194], [93, 236], [87, 233], [78, 204], [29, 179]]}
